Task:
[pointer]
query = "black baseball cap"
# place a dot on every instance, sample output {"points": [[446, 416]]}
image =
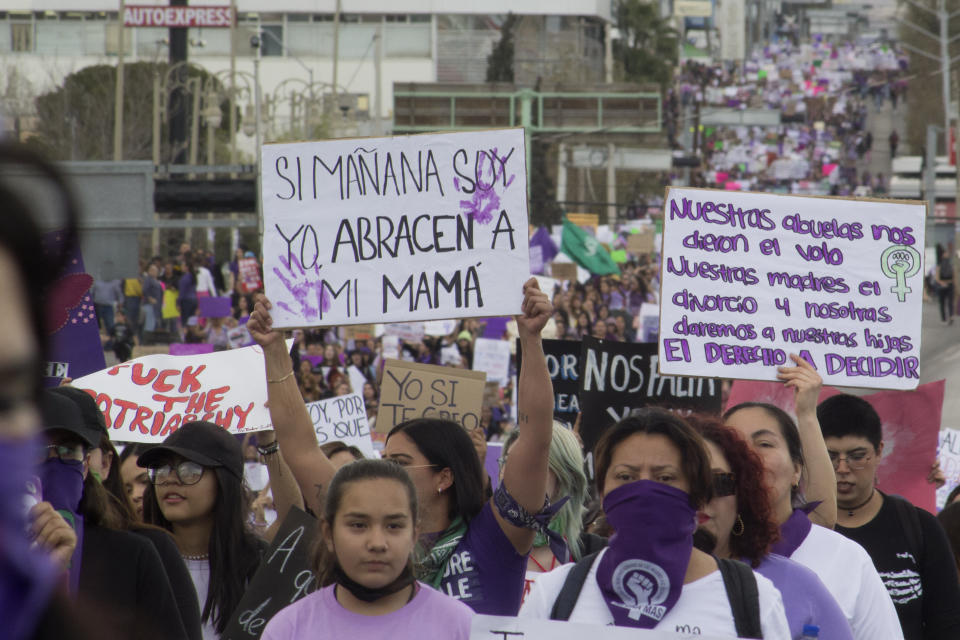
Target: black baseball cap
{"points": [[202, 442], [92, 416], [61, 413]]}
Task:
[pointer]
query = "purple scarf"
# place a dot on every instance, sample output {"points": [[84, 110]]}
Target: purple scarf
{"points": [[27, 577], [641, 573], [794, 531], [63, 488]]}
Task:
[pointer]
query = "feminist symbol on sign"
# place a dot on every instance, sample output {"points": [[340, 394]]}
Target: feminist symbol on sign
{"points": [[900, 262]]}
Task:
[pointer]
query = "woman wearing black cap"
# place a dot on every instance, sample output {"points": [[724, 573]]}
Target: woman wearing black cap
{"points": [[196, 493]]}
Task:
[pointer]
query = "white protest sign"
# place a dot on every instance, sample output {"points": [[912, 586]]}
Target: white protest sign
{"points": [[406, 331], [503, 628], [493, 358], [439, 327], [949, 455], [748, 278], [147, 399], [404, 228], [391, 346], [342, 418], [357, 379]]}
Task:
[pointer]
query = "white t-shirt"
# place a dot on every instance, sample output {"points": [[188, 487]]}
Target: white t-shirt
{"points": [[703, 607], [847, 571], [200, 574], [205, 281]]}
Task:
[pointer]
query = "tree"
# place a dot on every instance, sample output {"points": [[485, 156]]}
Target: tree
{"points": [[75, 120], [500, 60], [647, 48]]}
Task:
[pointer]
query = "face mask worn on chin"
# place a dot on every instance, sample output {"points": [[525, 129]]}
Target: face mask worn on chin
{"points": [[367, 594], [641, 573], [63, 488], [27, 577]]}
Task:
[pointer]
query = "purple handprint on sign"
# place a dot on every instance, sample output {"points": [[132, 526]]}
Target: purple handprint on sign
{"points": [[485, 200], [306, 287]]}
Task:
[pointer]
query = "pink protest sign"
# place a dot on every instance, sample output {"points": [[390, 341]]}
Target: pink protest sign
{"points": [[911, 425], [190, 349]]}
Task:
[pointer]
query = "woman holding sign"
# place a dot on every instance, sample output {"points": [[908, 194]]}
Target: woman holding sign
{"points": [[653, 472], [471, 548], [365, 566], [787, 451]]}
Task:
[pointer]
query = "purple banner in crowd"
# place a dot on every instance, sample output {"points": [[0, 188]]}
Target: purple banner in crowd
{"points": [[75, 347], [495, 327], [190, 349], [548, 248], [491, 464], [214, 307]]}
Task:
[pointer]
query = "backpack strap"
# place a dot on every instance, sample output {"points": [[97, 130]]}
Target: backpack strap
{"points": [[910, 522], [572, 585], [741, 586]]}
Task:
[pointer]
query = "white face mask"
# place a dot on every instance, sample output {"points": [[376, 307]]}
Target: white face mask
{"points": [[255, 474]]}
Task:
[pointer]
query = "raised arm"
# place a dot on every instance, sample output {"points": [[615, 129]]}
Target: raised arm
{"points": [[821, 479], [286, 492], [525, 473], [291, 422]]}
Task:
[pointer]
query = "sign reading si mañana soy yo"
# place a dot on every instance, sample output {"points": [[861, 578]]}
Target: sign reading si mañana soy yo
{"points": [[749, 278], [388, 229]]}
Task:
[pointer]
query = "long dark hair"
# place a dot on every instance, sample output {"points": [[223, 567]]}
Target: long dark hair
{"points": [[234, 550], [753, 502], [790, 434], [446, 445], [324, 561]]}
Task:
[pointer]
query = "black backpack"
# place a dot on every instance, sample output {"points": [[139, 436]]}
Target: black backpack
{"points": [[738, 579]]}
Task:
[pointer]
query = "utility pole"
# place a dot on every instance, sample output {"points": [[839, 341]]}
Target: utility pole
{"points": [[118, 90], [336, 55], [177, 104], [377, 80]]}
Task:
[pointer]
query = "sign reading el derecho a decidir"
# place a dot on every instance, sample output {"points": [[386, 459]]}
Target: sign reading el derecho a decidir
{"points": [[748, 278], [395, 229]]}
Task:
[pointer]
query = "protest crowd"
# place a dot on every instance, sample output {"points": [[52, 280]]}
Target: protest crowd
{"points": [[291, 483], [821, 90]]}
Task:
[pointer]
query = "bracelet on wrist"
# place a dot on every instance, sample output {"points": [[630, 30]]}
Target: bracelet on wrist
{"points": [[280, 379], [269, 449]]}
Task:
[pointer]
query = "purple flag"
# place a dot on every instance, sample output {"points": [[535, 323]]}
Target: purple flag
{"points": [[495, 327], [548, 248], [214, 307], [75, 347], [190, 348]]}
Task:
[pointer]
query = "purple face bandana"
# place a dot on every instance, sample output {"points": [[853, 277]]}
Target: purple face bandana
{"points": [[641, 573], [27, 576], [62, 483]]}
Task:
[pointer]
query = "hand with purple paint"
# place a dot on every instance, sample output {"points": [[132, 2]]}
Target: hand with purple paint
{"points": [[306, 287]]}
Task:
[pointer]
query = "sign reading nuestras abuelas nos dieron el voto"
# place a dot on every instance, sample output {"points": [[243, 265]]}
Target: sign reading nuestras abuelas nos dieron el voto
{"points": [[748, 278], [395, 229]]}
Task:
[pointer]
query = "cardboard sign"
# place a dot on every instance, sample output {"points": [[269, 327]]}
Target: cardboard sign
{"points": [[563, 365], [493, 358], [618, 378], [342, 418], [358, 332], [403, 228], [641, 242], [748, 278], [564, 270], [410, 390], [74, 339], [249, 275], [214, 307], [910, 421], [283, 578], [147, 399], [503, 628]]}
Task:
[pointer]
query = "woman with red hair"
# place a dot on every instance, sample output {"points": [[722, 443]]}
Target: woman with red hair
{"points": [[738, 523]]}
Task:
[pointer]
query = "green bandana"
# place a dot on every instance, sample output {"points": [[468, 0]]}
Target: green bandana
{"points": [[558, 524], [429, 565]]}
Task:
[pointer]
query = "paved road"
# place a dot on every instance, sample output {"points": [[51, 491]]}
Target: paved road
{"points": [[880, 122]]}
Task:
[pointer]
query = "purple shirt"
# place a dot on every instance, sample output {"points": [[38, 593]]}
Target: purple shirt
{"points": [[805, 598], [429, 615], [485, 571]]}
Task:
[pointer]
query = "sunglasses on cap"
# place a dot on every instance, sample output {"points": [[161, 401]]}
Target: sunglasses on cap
{"points": [[724, 484], [186, 473]]}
